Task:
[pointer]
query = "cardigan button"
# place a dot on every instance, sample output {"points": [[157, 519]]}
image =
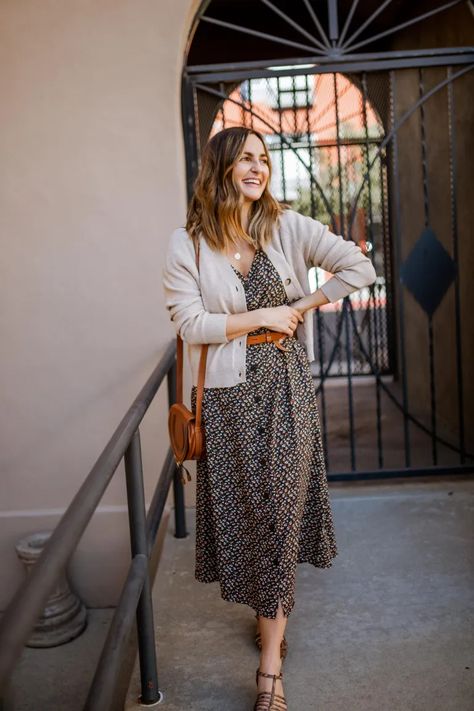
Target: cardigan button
{"points": [[288, 281]]}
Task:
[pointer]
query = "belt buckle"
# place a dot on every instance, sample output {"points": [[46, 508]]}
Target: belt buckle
{"points": [[279, 344], [268, 337]]}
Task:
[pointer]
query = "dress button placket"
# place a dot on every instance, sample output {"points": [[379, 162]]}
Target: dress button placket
{"points": [[267, 494]]}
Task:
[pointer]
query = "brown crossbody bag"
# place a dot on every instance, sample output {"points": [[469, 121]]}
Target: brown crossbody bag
{"points": [[186, 432]]}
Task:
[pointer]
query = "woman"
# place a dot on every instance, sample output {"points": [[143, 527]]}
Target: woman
{"points": [[262, 498]]}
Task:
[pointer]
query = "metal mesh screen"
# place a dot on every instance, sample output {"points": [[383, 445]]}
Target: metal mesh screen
{"points": [[324, 134]]}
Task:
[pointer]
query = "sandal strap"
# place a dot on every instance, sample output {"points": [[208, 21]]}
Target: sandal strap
{"points": [[275, 677], [265, 697], [270, 676]]}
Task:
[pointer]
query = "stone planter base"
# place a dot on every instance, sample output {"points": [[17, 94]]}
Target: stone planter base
{"points": [[64, 617]]}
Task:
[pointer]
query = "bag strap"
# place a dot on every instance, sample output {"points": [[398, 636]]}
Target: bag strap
{"points": [[202, 365]]}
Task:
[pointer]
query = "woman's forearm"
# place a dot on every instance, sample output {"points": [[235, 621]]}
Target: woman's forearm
{"points": [[311, 301], [240, 324]]}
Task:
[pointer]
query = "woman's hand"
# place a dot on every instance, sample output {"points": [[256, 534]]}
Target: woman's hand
{"points": [[281, 318]]}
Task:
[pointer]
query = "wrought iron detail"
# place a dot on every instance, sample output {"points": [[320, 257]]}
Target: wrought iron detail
{"points": [[428, 271], [326, 41]]}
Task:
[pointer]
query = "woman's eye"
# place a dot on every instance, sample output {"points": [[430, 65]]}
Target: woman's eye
{"points": [[262, 160]]}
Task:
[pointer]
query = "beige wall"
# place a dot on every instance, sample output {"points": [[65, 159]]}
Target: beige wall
{"points": [[92, 184]]}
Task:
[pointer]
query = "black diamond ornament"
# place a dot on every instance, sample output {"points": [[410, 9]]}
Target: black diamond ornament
{"points": [[428, 271]]}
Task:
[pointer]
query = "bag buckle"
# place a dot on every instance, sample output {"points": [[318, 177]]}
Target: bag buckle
{"points": [[184, 477]]}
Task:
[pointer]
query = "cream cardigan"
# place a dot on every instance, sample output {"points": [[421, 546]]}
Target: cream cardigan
{"points": [[199, 302]]}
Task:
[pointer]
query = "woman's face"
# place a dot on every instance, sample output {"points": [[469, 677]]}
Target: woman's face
{"points": [[251, 171]]}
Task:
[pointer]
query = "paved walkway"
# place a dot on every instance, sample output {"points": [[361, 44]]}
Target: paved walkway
{"points": [[388, 628]]}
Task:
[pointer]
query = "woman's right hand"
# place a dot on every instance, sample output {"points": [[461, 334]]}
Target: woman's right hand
{"points": [[281, 318]]}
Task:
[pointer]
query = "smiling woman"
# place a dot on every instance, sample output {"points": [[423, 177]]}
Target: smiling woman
{"points": [[227, 205], [262, 501]]}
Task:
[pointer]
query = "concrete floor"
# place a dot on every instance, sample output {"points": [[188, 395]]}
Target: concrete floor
{"points": [[58, 678], [388, 628]]}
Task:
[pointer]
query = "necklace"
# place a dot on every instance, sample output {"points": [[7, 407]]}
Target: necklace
{"points": [[237, 255]]}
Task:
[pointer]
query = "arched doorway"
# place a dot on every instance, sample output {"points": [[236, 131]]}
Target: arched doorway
{"points": [[364, 119]]}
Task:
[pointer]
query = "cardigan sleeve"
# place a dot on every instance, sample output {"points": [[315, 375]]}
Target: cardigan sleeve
{"points": [[344, 259], [183, 297]]}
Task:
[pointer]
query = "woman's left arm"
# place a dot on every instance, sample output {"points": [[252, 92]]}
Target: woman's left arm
{"points": [[351, 269], [312, 301]]}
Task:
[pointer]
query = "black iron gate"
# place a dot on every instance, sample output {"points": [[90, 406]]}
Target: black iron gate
{"points": [[370, 145]]}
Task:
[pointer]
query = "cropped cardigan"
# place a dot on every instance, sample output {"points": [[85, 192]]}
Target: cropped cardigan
{"points": [[200, 301]]}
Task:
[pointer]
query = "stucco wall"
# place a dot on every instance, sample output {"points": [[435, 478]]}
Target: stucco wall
{"points": [[92, 184]]}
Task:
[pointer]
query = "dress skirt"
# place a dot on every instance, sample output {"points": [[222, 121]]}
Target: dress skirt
{"points": [[262, 501]]}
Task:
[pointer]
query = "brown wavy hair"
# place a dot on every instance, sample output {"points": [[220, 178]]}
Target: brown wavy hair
{"points": [[214, 209]]}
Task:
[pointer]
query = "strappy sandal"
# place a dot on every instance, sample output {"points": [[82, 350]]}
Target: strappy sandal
{"points": [[283, 645], [268, 700]]}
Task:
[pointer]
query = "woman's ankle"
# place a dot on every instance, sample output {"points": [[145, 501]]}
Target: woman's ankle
{"points": [[270, 663]]}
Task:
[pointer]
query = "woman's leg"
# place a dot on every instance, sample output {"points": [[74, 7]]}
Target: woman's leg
{"points": [[272, 632]]}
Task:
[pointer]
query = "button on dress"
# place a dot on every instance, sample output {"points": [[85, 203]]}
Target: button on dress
{"points": [[262, 500]]}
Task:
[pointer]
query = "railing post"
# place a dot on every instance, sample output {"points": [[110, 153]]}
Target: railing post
{"points": [[138, 541], [178, 490]]}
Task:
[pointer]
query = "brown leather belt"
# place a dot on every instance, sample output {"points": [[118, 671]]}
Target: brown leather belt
{"points": [[268, 337]]}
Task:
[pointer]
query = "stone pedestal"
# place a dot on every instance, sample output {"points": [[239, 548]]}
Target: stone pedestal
{"points": [[64, 616]]}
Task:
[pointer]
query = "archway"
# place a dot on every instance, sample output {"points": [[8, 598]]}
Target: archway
{"points": [[356, 104]]}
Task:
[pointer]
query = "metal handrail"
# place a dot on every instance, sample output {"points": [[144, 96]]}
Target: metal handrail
{"points": [[20, 616]]}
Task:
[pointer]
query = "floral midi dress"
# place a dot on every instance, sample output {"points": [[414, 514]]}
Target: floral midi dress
{"points": [[262, 501]]}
